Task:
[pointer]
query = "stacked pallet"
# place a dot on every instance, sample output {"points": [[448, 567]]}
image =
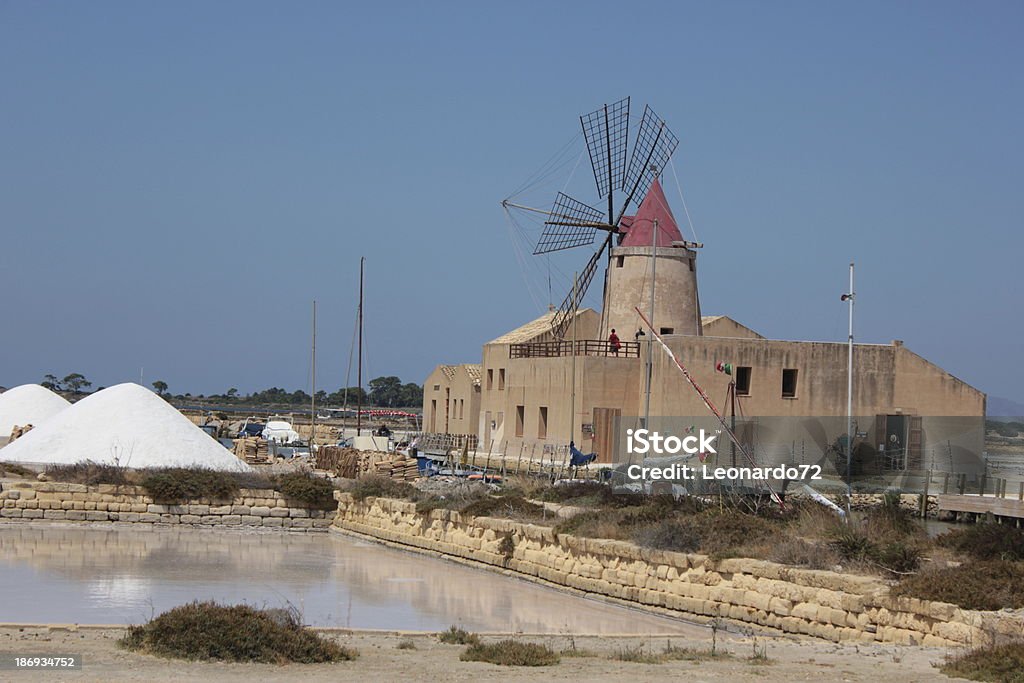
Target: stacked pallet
{"points": [[403, 469], [344, 462], [252, 449]]}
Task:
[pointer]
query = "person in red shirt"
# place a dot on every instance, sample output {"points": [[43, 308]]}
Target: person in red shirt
{"points": [[613, 340]]}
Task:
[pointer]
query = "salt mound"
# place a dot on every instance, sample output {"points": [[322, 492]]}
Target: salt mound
{"points": [[29, 404], [126, 425]]}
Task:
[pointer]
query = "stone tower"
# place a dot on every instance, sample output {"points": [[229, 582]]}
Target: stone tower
{"points": [[676, 301]]}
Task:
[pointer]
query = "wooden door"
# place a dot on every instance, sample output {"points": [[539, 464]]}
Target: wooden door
{"points": [[604, 433]]}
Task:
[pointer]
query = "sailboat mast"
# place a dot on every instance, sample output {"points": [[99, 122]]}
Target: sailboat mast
{"points": [[359, 364], [312, 397]]}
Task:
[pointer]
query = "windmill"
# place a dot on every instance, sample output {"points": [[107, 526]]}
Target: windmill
{"points": [[572, 223]]}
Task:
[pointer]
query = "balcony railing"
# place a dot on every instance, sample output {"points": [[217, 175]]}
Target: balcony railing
{"points": [[584, 347]]}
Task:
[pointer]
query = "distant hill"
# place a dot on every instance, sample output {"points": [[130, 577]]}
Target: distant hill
{"points": [[998, 406]]}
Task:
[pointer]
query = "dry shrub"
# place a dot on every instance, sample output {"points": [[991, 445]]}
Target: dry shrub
{"points": [[800, 553], [89, 473], [998, 663], [209, 631], [986, 541], [669, 534], [511, 653], [179, 484], [9, 469], [314, 491], [593, 525], [456, 635], [379, 486], [981, 585], [512, 507]]}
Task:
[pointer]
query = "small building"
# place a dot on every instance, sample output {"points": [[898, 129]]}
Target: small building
{"points": [[451, 400]]}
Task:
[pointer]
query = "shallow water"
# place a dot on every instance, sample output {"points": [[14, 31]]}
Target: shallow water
{"points": [[117, 575]]}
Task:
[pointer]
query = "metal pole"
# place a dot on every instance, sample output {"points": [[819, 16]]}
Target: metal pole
{"points": [[650, 341], [572, 402], [312, 398], [849, 401], [359, 370]]}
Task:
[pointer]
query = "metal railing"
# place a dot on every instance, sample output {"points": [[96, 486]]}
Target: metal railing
{"points": [[584, 347]]}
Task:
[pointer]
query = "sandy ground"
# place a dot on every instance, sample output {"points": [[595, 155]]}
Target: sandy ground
{"points": [[790, 659]]}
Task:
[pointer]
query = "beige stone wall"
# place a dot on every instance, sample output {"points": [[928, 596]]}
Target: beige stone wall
{"points": [[53, 501], [822, 604]]}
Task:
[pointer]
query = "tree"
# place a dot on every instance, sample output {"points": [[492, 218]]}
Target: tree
{"points": [[386, 391], [75, 382], [160, 386], [51, 382], [411, 395], [232, 393]]}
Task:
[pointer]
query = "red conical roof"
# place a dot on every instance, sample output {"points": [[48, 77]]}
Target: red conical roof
{"points": [[639, 228]]}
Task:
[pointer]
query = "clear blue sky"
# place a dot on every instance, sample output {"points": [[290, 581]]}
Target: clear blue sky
{"points": [[179, 180]]}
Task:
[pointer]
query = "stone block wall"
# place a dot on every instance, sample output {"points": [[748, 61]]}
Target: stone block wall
{"points": [[54, 501], [823, 604]]}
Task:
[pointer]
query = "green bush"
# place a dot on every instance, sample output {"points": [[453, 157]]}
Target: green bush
{"points": [[314, 491], [209, 631], [981, 585], [89, 473], [986, 541], [456, 635], [997, 663], [178, 484], [511, 653]]}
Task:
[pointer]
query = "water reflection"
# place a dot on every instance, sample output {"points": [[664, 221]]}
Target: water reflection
{"points": [[122, 575]]}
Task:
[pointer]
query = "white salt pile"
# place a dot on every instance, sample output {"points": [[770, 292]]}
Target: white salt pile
{"points": [[29, 404], [126, 425]]}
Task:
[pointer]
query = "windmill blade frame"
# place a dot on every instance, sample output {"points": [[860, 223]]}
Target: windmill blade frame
{"points": [[653, 148], [571, 223], [606, 131]]}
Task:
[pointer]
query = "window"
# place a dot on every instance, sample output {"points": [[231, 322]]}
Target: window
{"points": [[520, 415], [789, 383], [437, 387], [490, 378], [542, 423], [501, 379], [462, 408], [667, 330], [743, 381], [620, 261], [691, 264]]}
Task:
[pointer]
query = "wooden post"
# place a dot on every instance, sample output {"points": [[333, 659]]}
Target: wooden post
{"points": [[487, 464], [961, 483], [519, 462], [945, 483], [1020, 495], [984, 482]]}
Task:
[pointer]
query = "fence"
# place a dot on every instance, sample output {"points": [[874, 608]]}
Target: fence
{"points": [[584, 347]]}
